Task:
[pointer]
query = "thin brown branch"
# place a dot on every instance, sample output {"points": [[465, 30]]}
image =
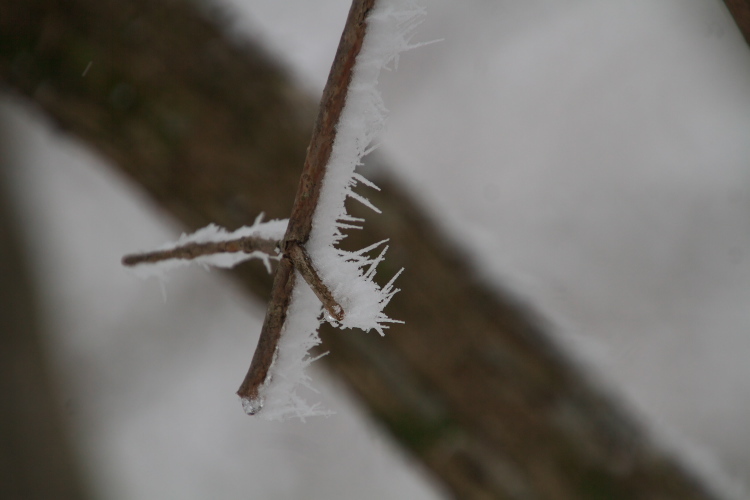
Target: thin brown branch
{"points": [[305, 202], [303, 264], [190, 251], [270, 334], [324, 131]]}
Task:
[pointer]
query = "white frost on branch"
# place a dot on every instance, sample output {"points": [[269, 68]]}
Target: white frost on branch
{"points": [[279, 395], [272, 230], [348, 275]]}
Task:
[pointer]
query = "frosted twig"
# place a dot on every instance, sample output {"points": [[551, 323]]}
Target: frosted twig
{"points": [[265, 352], [303, 264], [351, 113], [306, 200], [193, 250]]}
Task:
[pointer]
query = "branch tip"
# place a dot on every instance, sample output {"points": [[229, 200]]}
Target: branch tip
{"points": [[303, 264]]}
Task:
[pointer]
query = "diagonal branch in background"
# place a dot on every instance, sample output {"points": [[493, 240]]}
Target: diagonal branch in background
{"points": [[305, 202], [740, 10], [471, 386]]}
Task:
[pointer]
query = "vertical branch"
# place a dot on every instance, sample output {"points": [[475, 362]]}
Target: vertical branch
{"points": [[308, 193], [324, 131], [265, 352]]}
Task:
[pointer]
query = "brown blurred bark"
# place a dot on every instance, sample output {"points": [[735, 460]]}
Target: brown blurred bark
{"points": [[740, 10], [216, 132], [36, 459]]}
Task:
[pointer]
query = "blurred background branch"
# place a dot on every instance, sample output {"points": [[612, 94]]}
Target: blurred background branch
{"points": [[740, 10]]}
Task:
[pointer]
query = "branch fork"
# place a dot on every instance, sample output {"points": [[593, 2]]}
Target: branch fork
{"points": [[290, 250], [300, 222]]}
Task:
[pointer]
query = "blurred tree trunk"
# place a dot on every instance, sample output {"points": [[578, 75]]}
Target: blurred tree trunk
{"points": [[740, 10], [216, 132], [36, 460]]}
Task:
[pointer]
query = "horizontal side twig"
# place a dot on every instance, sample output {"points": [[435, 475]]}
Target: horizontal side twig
{"points": [[190, 251]]}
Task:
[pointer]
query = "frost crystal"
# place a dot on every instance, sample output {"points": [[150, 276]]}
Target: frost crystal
{"points": [[350, 275]]}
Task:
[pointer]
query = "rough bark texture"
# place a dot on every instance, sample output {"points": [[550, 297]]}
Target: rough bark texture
{"points": [[215, 132], [36, 459]]}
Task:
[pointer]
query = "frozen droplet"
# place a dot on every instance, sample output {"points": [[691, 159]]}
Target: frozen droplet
{"points": [[252, 405], [329, 317]]}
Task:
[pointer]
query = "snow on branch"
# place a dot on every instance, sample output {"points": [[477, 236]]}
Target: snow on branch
{"points": [[212, 246], [352, 114], [315, 280]]}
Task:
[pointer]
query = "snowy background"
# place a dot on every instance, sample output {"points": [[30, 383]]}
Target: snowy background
{"points": [[593, 155]]}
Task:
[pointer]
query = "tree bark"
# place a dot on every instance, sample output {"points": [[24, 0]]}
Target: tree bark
{"points": [[740, 10], [215, 131]]}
